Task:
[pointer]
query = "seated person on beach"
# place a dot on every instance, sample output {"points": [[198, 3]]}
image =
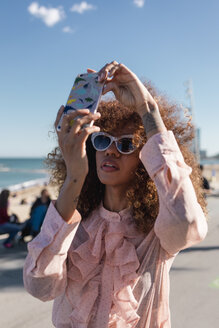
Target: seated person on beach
{"points": [[37, 214], [126, 207], [8, 223], [205, 184]]}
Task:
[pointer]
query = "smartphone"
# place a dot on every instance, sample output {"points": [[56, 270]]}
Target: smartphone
{"points": [[85, 94]]}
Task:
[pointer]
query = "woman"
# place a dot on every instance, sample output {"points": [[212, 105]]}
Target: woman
{"points": [[6, 226], [107, 243]]}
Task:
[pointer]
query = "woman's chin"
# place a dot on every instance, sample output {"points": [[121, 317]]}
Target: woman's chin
{"points": [[112, 181], [109, 182], [108, 179]]}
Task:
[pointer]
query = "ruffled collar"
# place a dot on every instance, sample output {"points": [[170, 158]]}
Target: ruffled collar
{"points": [[115, 216]]}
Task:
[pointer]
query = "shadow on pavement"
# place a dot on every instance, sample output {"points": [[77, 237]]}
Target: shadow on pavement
{"points": [[185, 269], [11, 266], [11, 278], [200, 249], [213, 195], [17, 252]]}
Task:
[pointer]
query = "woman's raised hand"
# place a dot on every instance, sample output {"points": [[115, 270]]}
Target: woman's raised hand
{"points": [[131, 92], [72, 140], [126, 86]]}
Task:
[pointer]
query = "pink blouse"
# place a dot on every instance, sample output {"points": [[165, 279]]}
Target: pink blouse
{"points": [[102, 272]]}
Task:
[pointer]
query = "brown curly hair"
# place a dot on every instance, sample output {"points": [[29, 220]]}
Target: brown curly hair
{"points": [[141, 194]]}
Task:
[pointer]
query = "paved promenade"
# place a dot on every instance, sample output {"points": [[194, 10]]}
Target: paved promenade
{"points": [[194, 296]]}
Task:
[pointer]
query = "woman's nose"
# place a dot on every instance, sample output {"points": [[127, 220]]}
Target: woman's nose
{"points": [[112, 151]]}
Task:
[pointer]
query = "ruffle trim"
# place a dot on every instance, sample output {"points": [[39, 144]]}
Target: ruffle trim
{"points": [[108, 244]]}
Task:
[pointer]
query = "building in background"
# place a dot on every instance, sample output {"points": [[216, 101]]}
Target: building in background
{"points": [[203, 154]]}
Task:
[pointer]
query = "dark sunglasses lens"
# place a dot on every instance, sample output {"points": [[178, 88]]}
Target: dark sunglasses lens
{"points": [[101, 142], [125, 145]]}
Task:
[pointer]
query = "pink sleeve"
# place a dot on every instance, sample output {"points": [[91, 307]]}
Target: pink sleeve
{"points": [[181, 222], [45, 265]]}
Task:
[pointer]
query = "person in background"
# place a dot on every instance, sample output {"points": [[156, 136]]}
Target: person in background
{"points": [[38, 211], [37, 214], [8, 223], [205, 184], [44, 199], [126, 207]]}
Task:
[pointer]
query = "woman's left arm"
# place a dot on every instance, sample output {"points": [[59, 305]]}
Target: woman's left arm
{"points": [[181, 222]]}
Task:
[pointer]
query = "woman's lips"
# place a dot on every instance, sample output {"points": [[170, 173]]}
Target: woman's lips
{"points": [[109, 166]]}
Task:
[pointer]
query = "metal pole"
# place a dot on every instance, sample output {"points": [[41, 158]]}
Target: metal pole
{"points": [[189, 92]]}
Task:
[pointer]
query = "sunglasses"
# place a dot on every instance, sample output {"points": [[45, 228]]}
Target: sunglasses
{"points": [[102, 141]]}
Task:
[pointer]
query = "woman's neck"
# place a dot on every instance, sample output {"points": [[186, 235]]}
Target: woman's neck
{"points": [[114, 199]]}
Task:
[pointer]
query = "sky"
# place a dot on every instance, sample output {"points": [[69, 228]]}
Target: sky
{"points": [[45, 44]]}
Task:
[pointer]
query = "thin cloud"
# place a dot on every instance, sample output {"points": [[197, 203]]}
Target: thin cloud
{"points": [[50, 16], [139, 3], [80, 8], [68, 29]]}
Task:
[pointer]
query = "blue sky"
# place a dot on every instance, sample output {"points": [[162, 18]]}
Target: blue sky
{"points": [[45, 44]]}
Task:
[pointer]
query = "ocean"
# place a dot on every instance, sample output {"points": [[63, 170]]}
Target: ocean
{"points": [[18, 173]]}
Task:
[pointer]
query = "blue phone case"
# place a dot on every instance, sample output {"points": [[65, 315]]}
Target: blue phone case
{"points": [[85, 94]]}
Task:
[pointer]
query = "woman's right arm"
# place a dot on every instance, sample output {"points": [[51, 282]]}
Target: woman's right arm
{"points": [[72, 142], [45, 265]]}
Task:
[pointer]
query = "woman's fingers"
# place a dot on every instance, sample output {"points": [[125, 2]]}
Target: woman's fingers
{"points": [[106, 70], [82, 137], [89, 70], [58, 117], [116, 71], [78, 124], [113, 69], [72, 123], [68, 119], [64, 125], [110, 86]]}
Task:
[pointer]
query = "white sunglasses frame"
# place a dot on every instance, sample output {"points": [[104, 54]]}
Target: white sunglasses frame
{"points": [[112, 139]]}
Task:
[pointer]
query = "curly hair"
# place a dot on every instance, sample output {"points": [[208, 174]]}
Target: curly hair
{"points": [[141, 194]]}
